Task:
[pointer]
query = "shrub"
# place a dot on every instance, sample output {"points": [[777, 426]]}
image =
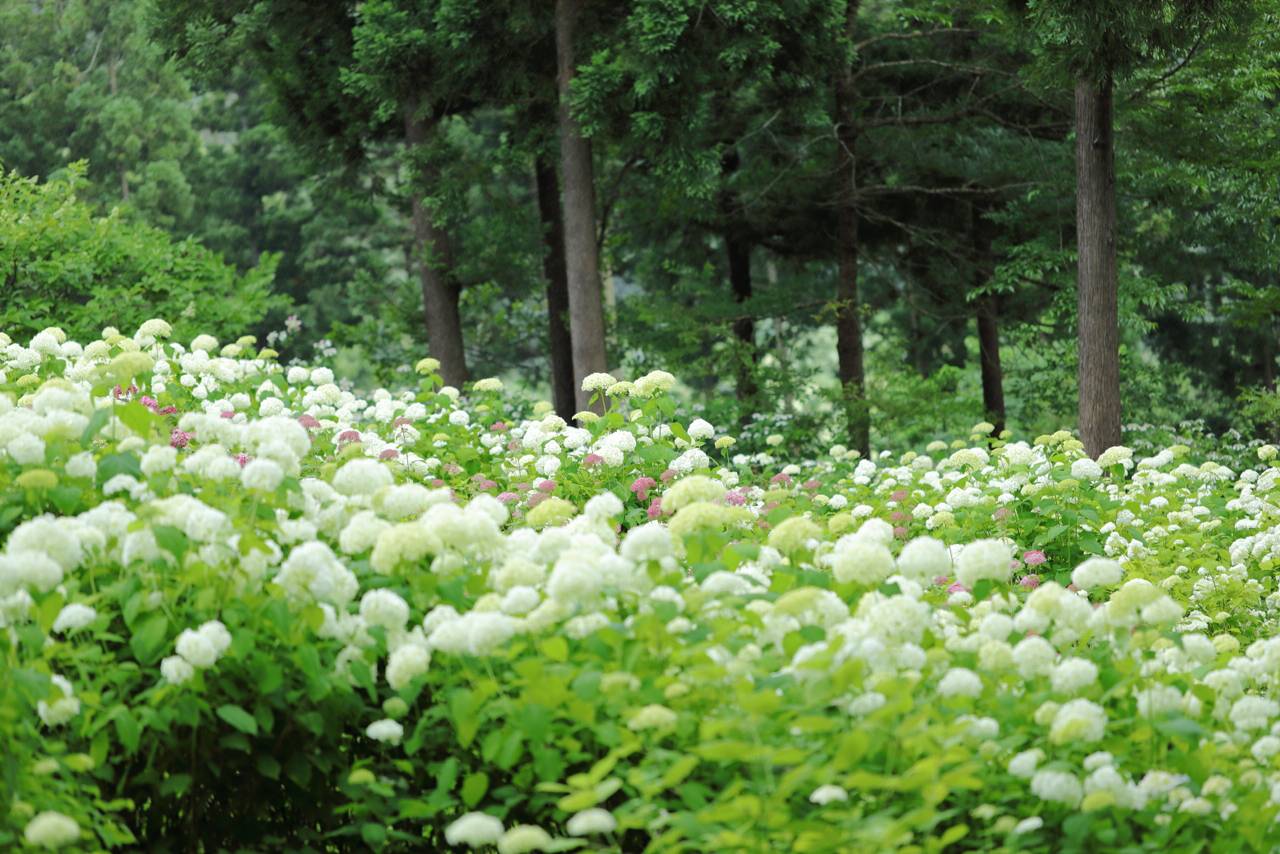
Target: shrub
{"points": [[241, 608], [62, 264]]}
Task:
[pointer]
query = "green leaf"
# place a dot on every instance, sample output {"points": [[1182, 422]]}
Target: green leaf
{"points": [[149, 638], [238, 718], [127, 728], [171, 540], [65, 498], [268, 766], [97, 421], [374, 835], [474, 787], [679, 770], [463, 705], [555, 648], [136, 417], [114, 464]]}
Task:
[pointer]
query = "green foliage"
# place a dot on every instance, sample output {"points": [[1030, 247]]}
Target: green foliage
{"points": [[390, 616], [66, 266]]}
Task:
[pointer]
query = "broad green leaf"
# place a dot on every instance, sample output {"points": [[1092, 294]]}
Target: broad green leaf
{"points": [[149, 638], [238, 718]]}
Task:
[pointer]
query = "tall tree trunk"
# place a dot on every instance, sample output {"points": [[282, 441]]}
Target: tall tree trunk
{"points": [[988, 325], [1097, 290], [738, 251], [561, 345], [440, 291], [582, 263], [848, 322], [989, 357]]}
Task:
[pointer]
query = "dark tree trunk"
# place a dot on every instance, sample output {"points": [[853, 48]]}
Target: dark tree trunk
{"points": [[582, 263], [848, 322], [988, 326], [440, 290], [561, 345], [1097, 294], [989, 356], [738, 250]]}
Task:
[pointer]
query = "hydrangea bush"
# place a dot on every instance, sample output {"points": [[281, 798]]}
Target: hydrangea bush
{"points": [[243, 606]]}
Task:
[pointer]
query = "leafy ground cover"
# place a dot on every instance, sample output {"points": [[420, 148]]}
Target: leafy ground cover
{"points": [[244, 608]]}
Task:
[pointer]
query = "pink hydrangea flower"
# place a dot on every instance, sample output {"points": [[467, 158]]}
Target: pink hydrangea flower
{"points": [[1030, 582], [485, 484], [402, 421], [498, 427], [227, 414], [309, 421], [547, 485], [168, 410], [242, 459], [898, 495], [592, 460], [149, 402], [900, 532], [1035, 557], [736, 497], [784, 479], [437, 482], [667, 475], [641, 486], [897, 516], [349, 436], [957, 588], [179, 438], [655, 508], [388, 454], [452, 468], [507, 497], [1001, 514], [811, 484]]}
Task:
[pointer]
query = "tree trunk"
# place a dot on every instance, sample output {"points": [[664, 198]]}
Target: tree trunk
{"points": [[440, 291], [989, 357], [1098, 290], [582, 264], [848, 322], [738, 251], [561, 346], [988, 325]]}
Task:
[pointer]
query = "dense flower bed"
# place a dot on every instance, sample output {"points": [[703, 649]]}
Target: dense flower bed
{"points": [[243, 606]]}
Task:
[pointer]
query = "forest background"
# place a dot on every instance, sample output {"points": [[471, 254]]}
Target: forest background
{"points": [[861, 222]]}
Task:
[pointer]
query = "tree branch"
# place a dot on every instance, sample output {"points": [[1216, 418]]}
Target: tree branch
{"points": [[1163, 78], [611, 199], [916, 34]]}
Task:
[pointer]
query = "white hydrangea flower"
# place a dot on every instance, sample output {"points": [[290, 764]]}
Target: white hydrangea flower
{"points": [[474, 829]]}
